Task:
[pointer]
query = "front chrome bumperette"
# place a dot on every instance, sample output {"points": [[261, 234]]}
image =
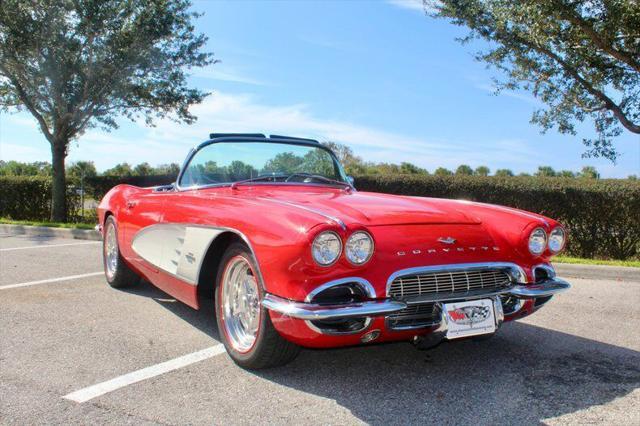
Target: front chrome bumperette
{"points": [[316, 312]]}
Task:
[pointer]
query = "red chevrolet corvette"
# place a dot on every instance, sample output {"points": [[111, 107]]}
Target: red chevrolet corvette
{"points": [[294, 256]]}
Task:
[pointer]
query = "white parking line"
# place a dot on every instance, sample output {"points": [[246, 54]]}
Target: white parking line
{"points": [[51, 280], [51, 245], [99, 389]]}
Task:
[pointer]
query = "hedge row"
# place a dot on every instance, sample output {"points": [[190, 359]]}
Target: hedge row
{"points": [[29, 198], [602, 216]]}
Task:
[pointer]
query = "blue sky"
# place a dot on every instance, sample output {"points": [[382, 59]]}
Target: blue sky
{"points": [[378, 76]]}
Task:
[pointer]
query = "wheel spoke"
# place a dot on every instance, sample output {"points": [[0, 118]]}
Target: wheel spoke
{"points": [[241, 307]]}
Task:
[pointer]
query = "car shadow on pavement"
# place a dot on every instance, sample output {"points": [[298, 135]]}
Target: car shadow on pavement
{"points": [[525, 374]]}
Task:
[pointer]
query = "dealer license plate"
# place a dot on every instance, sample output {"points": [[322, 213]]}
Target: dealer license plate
{"points": [[470, 318]]}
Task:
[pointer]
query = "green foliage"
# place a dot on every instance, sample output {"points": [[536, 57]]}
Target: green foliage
{"points": [[545, 171], [580, 58], [589, 172], [29, 198], [464, 170], [122, 170], [81, 170], [75, 65], [441, 171], [482, 171], [504, 172], [17, 168], [602, 216]]}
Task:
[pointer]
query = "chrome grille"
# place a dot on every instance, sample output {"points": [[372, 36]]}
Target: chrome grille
{"points": [[444, 282], [420, 315]]}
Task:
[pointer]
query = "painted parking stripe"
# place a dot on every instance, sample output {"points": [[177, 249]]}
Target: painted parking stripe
{"points": [[84, 243], [51, 280], [99, 389]]}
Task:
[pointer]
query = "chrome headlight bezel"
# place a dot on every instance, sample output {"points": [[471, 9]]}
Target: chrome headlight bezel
{"points": [[557, 234], [348, 250], [537, 242], [317, 242]]}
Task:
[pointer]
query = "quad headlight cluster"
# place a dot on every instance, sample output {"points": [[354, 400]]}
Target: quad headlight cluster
{"points": [[539, 240], [327, 248]]}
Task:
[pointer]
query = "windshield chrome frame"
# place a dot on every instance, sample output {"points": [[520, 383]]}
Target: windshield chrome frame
{"points": [[281, 141]]}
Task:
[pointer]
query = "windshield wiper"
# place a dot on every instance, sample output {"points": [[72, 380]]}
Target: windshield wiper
{"points": [[320, 177]]}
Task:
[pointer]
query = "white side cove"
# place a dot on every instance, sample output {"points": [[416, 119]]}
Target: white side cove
{"points": [[174, 248]]}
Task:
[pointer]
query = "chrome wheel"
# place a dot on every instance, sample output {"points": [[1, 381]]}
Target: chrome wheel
{"points": [[111, 251], [240, 304]]}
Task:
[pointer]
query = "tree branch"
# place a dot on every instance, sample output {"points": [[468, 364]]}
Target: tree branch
{"points": [[601, 43], [27, 102], [607, 101]]}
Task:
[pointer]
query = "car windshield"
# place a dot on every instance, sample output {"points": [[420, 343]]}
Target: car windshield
{"points": [[233, 162]]}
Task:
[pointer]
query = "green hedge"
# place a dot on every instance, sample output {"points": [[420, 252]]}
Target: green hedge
{"points": [[29, 198], [602, 216]]}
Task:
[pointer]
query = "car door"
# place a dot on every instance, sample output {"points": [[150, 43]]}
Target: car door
{"points": [[141, 210]]}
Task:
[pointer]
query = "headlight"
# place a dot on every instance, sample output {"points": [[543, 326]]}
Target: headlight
{"points": [[537, 241], [556, 240], [359, 248], [326, 248]]}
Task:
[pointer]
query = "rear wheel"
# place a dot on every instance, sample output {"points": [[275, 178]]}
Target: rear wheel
{"points": [[117, 272], [244, 324]]}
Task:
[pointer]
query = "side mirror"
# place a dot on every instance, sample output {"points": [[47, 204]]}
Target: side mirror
{"points": [[351, 180]]}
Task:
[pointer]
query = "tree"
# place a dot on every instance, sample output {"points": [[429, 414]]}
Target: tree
{"points": [[566, 174], [143, 169], [632, 177], [17, 168], [504, 172], [167, 169], [441, 171], [482, 171], [412, 169], [464, 170], [122, 170], [81, 169], [75, 65], [589, 172], [545, 171], [582, 59]]}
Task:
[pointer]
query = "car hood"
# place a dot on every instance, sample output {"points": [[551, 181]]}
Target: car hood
{"points": [[372, 209]]}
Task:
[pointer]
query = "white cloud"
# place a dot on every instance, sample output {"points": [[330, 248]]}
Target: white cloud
{"points": [[416, 5], [217, 72], [225, 112], [510, 93]]}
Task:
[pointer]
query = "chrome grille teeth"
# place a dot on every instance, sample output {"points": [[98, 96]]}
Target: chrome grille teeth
{"points": [[455, 282]]}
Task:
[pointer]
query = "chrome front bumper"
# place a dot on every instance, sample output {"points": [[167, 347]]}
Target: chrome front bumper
{"points": [[314, 312]]}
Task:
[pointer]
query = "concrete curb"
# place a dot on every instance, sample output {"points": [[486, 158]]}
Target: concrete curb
{"points": [[44, 231], [598, 272]]}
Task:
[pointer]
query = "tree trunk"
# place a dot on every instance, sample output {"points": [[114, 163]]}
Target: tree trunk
{"points": [[59, 187]]}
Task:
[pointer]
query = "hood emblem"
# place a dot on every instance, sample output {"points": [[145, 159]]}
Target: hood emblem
{"points": [[447, 240]]}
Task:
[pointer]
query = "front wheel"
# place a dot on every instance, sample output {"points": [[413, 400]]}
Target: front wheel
{"points": [[118, 273], [244, 324]]}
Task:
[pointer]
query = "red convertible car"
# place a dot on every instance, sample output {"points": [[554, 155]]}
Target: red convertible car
{"points": [[294, 256]]}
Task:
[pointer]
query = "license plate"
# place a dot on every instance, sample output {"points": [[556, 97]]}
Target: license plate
{"points": [[470, 318]]}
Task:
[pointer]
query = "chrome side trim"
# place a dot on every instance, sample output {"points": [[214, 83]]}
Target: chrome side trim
{"points": [[311, 311], [190, 244], [516, 273], [334, 219], [364, 284]]}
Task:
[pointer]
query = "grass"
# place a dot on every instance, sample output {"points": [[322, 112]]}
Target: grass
{"points": [[581, 261], [47, 224]]}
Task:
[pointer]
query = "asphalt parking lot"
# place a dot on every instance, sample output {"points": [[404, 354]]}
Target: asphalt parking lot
{"points": [[140, 357]]}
